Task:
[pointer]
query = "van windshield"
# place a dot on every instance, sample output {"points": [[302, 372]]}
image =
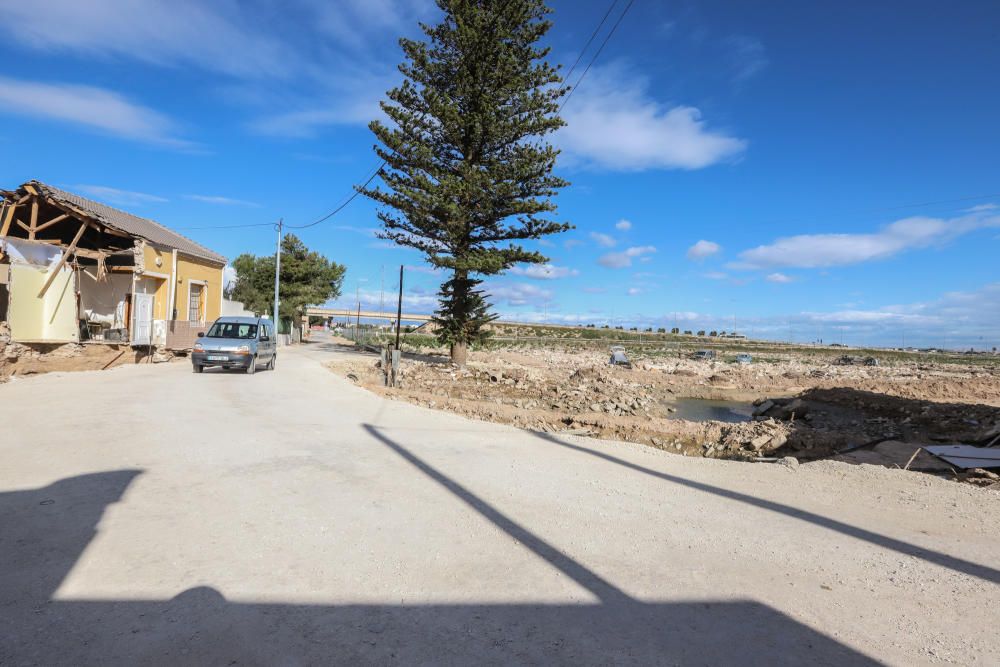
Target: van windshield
{"points": [[232, 330]]}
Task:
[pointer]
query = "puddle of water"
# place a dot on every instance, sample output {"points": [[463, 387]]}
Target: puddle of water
{"points": [[700, 410]]}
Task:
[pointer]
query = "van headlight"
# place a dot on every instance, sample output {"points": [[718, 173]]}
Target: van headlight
{"points": [[243, 349], [199, 347]]}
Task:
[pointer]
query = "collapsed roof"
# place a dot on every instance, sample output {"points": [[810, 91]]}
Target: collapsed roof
{"points": [[115, 220]]}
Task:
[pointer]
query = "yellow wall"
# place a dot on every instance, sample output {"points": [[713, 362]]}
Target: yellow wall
{"points": [[189, 268], [49, 319], [162, 292]]}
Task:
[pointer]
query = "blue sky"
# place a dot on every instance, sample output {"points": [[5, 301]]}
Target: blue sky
{"points": [[813, 170]]}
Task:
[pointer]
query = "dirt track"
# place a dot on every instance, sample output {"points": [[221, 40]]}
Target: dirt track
{"points": [[292, 518]]}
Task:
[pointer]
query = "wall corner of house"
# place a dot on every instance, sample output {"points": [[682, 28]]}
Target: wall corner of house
{"points": [[139, 253]]}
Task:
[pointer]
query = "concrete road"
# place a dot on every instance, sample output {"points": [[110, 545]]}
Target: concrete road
{"points": [[149, 515]]}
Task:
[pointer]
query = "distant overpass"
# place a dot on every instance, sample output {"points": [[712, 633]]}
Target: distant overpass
{"points": [[347, 313]]}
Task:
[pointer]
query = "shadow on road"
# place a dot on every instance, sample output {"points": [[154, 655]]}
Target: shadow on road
{"points": [[45, 530], [970, 568]]}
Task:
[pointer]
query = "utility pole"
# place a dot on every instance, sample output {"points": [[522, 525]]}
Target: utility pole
{"points": [[277, 276], [399, 306]]}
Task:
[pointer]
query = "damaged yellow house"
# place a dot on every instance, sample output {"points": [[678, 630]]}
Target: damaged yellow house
{"points": [[75, 270]]}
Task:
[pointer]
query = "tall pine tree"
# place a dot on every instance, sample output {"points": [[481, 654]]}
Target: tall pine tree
{"points": [[467, 169]]}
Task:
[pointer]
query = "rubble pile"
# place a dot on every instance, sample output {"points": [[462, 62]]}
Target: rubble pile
{"points": [[803, 408]]}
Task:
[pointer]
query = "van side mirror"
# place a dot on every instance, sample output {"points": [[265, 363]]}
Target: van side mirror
{"points": [[265, 338], [201, 334]]}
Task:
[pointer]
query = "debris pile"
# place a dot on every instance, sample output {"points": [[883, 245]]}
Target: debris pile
{"points": [[802, 408]]}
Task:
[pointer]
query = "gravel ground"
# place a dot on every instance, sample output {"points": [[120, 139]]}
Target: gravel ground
{"points": [[154, 516]]}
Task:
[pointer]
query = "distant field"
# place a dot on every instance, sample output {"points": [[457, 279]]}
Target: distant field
{"points": [[652, 345]]}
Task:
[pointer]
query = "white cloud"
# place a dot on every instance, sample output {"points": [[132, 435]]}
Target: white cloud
{"points": [[413, 300], [747, 55], [778, 278], [423, 268], [569, 244], [119, 197], [94, 108], [228, 276], [715, 275], [544, 271], [595, 290], [621, 260], [364, 231], [614, 123], [603, 240], [222, 201], [310, 65], [518, 294], [980, 208], [623, 225], [353, 104], [634, 291], [163, 32], [810, 251], [703, 249]]}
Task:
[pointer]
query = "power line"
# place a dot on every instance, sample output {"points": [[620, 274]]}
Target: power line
{"points": [[598, 54], [347, 201], [592, 36]]}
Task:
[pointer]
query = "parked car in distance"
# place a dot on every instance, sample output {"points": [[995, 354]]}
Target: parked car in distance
{"points": [[704, 355], [744, 358], [236, 342]]}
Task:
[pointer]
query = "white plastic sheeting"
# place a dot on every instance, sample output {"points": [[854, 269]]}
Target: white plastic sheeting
{"points": [[31, 252]]}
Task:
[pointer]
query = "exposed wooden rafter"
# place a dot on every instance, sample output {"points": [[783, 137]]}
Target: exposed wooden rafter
{"points": [[66, 255], [7, 219], [58, 218]]}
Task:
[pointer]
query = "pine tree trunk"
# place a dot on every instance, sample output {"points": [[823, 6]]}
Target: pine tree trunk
{"points": [[459, 348], [459, 354]]}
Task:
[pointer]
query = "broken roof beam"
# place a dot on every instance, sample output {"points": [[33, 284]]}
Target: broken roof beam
{"points": [[34, 219], [62, 262], [7, 219], [46, 225]]}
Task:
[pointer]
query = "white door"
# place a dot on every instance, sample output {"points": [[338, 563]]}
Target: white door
{"points": [[142, 319]]}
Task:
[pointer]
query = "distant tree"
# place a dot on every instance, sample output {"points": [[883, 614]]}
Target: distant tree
{"points": [[675, 330], [713, 333], [662, 330], [701, 332], [605, 327], [307, 279], [468, 171], [688, 333]]}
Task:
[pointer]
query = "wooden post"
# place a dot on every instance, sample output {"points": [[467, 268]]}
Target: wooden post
{"points": [[399, 306], [10, 208], [69, 250], [34, 219]]}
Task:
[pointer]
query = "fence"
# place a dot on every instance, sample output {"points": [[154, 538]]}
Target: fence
{"points": [[182, 334]]}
